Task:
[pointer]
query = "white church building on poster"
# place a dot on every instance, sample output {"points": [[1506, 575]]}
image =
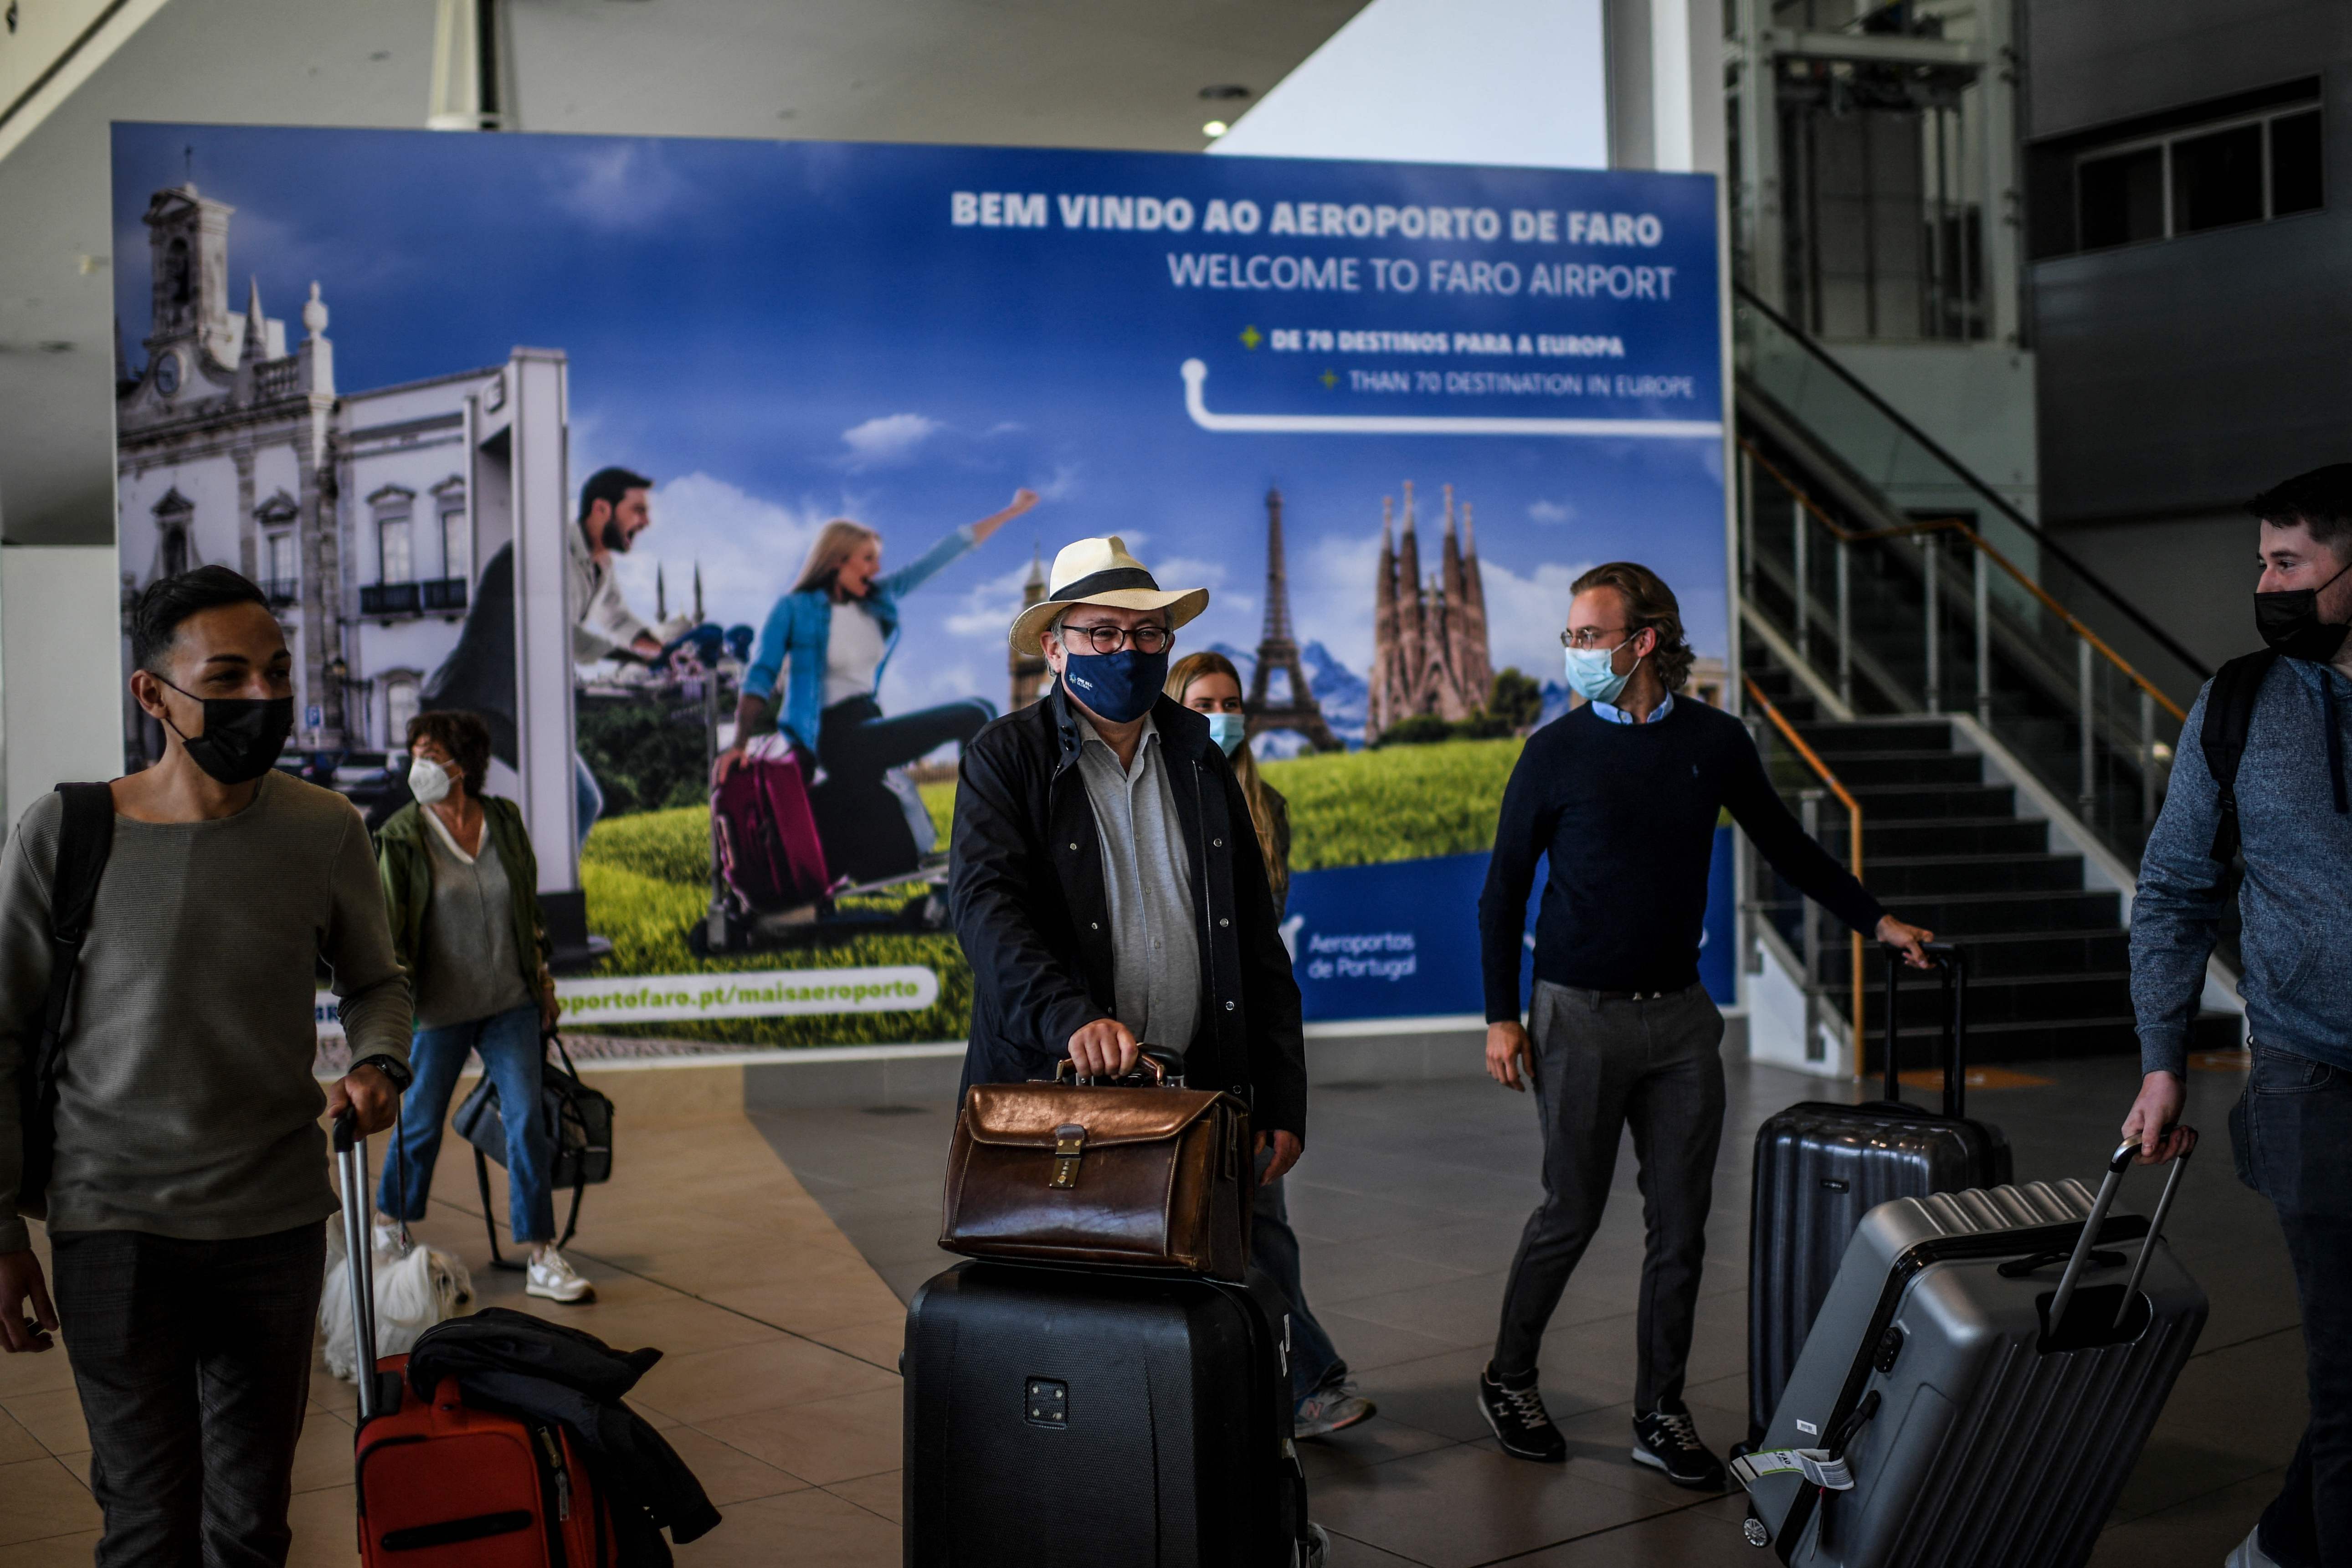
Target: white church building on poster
{"points": [[363, 515]]}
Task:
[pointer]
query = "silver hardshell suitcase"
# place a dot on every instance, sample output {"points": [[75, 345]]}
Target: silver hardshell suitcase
{"points": [[1934, 1421]]}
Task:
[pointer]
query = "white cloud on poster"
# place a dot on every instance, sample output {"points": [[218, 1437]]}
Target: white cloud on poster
{"points": [[1551, 512], [617, 186], [750, 549], [1524, 615], [986, 609], [887, 440]]}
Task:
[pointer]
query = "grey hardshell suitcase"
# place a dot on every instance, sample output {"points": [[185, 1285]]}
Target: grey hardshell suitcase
{"points": [[1820, 1166], [1068, 1418], [1936, 1420]]}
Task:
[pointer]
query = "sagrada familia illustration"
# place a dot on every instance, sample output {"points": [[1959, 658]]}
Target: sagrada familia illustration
{"points": [[1428, 638]]}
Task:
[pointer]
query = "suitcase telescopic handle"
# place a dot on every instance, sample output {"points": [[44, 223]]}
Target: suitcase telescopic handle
{"points": [[2117, 1164], [1952, 972], [359, 1250]]}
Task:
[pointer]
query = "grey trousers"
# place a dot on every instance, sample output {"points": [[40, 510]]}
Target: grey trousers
{"points": [[194, 1362], [1599, 1067]]}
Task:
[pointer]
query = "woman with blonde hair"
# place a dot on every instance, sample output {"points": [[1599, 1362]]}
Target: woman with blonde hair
{"points": [[829, 640], [1326, 1398]]}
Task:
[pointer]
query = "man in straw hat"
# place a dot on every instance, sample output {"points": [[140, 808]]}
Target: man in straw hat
{"points": [[1105, 879]]}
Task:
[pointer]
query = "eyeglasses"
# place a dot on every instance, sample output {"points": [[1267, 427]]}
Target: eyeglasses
{"points": [[1109, 638], [1590, 636]]}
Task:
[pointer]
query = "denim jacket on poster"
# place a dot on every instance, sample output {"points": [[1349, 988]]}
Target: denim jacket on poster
{"points": [[801, 626], [2297, 898]]}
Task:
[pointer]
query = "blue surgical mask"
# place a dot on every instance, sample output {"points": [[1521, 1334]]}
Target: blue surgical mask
{"points": [[1228, 730], [1121, 687], [1591, 677]]}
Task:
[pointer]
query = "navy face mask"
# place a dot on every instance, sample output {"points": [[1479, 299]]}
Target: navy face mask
{"points": [[1121, 687]]}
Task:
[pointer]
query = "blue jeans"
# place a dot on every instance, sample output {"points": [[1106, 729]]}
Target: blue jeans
{"points": [[511, 1052], [1273, 1248], [2292, 1133], [590, 796]]}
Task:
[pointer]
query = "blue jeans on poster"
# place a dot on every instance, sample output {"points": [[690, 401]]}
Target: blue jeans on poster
{"points": [[589, 793], [2292, 1133], [1273, 1248], [511, 1052]]}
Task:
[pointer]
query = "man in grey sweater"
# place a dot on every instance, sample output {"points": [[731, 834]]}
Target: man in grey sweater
{"points": [[2292, 1129], [190, 1170]]}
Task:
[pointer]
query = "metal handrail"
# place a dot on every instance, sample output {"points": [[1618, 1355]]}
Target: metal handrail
{"points": [[1853, 844], [1962, 526], [2057, 552]]}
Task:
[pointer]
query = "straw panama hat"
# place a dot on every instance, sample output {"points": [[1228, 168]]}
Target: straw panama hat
{"points": [[1101, 571]]}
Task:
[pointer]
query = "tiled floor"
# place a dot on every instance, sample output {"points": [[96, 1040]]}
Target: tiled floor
{"points": [[762, 1254], [1409, 1205]]}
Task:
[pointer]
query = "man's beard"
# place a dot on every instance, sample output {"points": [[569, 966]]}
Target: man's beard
{"points": [[616, 537]]}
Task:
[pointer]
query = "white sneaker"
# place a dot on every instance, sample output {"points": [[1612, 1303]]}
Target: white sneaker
{"points": [[2249, 1552], [553, 1278]]}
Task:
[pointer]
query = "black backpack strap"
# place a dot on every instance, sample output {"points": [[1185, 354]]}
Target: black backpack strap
{"points": [[85, 839], [2228, 717]]}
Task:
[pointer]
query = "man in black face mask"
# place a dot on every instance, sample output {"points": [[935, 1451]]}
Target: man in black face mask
{"points": [[177, 1152], [1105, 879], [2262, 766]]}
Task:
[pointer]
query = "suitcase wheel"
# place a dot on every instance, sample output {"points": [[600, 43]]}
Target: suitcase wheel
{"points": [[1756, 1532]]}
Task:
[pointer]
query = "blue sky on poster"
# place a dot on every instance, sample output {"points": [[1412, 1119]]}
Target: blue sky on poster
{"points": [[785, 333]]}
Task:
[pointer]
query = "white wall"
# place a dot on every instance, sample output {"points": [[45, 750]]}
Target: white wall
{"points": [[60, 669], [1445, 81]]}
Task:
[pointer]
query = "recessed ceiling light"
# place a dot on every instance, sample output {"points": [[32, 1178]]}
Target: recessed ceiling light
{"points": [[1215, 128], [1224, 91]]}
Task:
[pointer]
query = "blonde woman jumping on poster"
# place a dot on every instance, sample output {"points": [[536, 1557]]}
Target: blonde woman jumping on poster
{"points": [[829, 640]]}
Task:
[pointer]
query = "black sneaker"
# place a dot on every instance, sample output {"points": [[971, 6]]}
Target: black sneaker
{"points": [[1515, 1411], [1667, 1439]]}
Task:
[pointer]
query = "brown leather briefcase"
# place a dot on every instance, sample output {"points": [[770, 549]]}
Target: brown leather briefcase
{"points": [[1121, 1175]]}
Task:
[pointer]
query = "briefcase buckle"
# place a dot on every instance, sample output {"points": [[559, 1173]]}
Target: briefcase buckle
{"points": [[1069, 1147]]}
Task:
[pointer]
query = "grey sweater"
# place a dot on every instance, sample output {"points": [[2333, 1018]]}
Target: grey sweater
{"points": [[186, 1104], [2296, 900]]}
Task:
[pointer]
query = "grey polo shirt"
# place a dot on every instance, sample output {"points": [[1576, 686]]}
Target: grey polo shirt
{"points": [[1156, 952]]}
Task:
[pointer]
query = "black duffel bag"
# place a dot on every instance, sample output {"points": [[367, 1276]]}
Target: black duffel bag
{"points": [[579, 1122]]}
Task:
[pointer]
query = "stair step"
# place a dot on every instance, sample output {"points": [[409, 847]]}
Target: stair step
{"points": [[1924, 735], [1909, 803], [1857, 769], [1931, 876], [1883, 840], [1962, 917]]}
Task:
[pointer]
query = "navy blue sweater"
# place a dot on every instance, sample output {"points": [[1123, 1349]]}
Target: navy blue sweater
{"points": [[1627, 815]]}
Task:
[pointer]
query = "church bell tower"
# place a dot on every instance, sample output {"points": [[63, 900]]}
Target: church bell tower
{"points": [[187, 240]]}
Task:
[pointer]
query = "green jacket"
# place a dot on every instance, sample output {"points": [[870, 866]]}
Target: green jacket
{"points": [[407, 868]]}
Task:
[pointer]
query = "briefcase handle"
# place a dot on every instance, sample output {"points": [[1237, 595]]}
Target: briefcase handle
{"points": [[1065, 1071]]}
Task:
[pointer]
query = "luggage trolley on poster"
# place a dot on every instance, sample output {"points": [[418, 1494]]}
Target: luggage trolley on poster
{"points": [[775, 883]]}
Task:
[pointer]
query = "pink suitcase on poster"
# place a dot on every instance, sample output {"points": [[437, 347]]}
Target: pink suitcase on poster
{"points": [[764, 834]]}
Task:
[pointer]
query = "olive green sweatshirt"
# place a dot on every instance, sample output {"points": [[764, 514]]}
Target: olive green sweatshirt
{"points": [[185, 1102]]}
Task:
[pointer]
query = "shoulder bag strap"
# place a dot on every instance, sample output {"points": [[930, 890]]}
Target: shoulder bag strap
{"points": [[2229, 718], [84, 843]]}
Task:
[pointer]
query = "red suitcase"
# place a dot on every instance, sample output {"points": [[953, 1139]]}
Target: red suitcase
{"points": [[763, 834], [444, 1486]]}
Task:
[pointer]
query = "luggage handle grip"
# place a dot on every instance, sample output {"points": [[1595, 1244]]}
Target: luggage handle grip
{"points": [[2117, 1164], [1952, 970], [359, 1250]]}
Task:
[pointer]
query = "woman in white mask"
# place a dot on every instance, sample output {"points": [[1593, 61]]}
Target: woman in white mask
{"points": [[1325, 1397], [461, 884]]}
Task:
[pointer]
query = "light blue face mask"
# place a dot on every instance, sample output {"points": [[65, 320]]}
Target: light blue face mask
{"points": [[1590, 677], [1228, 730]]}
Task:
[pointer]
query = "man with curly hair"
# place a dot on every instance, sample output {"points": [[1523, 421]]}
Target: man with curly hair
{"points": [[1623, 795]]}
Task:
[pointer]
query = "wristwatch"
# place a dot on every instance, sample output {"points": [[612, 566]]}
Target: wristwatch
{"points": [[391, 1066]]}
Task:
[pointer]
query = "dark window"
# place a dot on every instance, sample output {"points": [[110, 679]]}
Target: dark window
{"points": [[2121, 197], [175, 551], [2217, 180], [2294, 163]]}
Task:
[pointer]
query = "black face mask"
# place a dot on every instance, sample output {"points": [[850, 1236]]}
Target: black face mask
{"points": [[242, 736], [2290, 623]]}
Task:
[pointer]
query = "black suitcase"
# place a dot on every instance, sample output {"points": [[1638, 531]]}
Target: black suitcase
{"points": [[1820, 1167], [1064, 1419]]}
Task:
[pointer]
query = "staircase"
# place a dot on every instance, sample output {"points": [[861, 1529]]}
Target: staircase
{"points": [[1936, 656], [2049, 967]]}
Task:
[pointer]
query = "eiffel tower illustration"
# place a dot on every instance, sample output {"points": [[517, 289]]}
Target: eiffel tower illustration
{"points": [[1278, 649]]}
